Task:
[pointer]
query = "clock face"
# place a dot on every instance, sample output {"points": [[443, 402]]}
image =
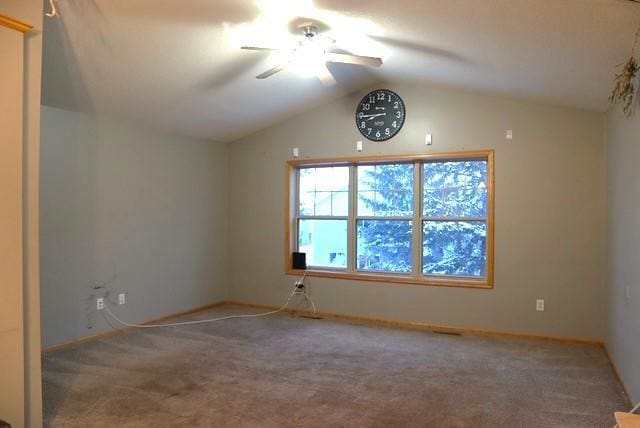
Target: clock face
{"points": [[380, 115]]}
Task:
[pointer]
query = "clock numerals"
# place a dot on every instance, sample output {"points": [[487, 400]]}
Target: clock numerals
{"points": [[380, 115]]}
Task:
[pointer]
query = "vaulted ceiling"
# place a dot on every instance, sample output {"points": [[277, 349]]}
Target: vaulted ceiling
{"points": [[177, 64]]}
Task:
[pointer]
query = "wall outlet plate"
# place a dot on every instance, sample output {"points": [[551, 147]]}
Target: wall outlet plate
{"points": [[540, 305], [122, 299], [100, 303]]}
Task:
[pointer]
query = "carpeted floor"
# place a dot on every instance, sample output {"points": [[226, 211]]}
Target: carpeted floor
{"points": [[284, 371]]}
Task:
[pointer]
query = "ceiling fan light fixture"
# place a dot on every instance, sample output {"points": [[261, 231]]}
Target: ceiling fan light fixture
{"points": [[307, 60], [309, 57]]}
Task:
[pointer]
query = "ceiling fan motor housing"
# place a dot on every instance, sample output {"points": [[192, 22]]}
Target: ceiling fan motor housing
{"points": [[309, 30]]}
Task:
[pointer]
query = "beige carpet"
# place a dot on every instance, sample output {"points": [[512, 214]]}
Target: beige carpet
{"points": [[283, 371]]}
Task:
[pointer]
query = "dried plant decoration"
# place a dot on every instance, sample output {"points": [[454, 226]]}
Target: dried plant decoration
{"points": [[624, 90]]}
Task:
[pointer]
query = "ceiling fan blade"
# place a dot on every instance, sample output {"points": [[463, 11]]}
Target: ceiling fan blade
{"points": [[270, 72], [353, 59], [325, 76], [257, 48]]}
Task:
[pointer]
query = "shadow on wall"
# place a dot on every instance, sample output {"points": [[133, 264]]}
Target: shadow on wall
{"points": [[61, 67]]}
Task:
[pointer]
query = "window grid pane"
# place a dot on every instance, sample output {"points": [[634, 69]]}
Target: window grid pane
{"points": [[384, 245], [323, 191], [454, 248], [324, 242], [455, 189], [385, 190]]}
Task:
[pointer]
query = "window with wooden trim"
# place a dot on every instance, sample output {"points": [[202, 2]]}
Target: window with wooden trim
{"points": [[424, 219]]}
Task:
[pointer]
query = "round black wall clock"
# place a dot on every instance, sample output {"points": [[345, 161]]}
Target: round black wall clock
{"points": [[380, 115]]}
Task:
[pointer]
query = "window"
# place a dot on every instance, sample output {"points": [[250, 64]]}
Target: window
{"points": [[323, 195], [424, 219], [384, 217]]}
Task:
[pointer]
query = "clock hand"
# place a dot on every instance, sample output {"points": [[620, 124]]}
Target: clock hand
{"points": [[373, 116]]}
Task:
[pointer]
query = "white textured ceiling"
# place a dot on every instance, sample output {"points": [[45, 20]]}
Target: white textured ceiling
{"points": [[176, 64]]}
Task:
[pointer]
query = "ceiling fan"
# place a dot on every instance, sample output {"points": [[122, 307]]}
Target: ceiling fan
{"points": [[312, 53]]}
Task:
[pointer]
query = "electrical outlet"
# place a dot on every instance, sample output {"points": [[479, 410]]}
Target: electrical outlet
{"points": [[122, 299], [100, 303], [540, 305]]}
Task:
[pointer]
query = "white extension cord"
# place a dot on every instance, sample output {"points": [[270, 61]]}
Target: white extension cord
{"points": [[280, 309]]}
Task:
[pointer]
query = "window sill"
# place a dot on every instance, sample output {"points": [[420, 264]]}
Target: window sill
{"points": [[394, 279]]}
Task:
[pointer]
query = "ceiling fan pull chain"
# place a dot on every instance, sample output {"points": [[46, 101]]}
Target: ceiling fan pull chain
{"points": [[54, 11]]}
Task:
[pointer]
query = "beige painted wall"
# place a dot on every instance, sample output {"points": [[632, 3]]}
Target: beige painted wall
{"points": [[142, 211], [11, 245], [623, 338], [550, 212], [31, 12]]}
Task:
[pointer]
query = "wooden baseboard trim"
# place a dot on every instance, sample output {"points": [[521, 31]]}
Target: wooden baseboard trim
{"points": [[424, 326], [345, 318], [617, 373], [111, 333]]}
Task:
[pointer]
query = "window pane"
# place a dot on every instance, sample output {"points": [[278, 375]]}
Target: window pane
{"points": [[307, 200], [322, 191], [340, 203], [455, 189], [454, 248], [307, 189], [324, 241], [385, 190], [322, 203], [384, 245]]}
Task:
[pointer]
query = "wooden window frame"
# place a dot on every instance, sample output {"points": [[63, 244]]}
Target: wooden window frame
{"points": [[416, 276]]}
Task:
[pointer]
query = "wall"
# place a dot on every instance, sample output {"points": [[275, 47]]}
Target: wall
{"points": [[623, 341], [550, 212], [131, 209], [12, 376], [30, 12]]}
